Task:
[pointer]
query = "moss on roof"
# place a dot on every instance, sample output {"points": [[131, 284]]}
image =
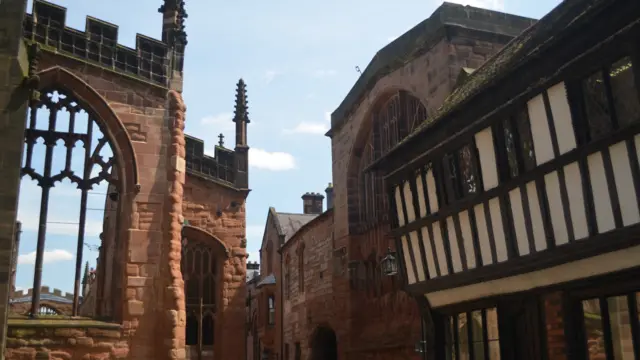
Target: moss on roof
{"points": [[506, 61]]}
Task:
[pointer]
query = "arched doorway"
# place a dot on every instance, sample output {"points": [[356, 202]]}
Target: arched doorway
{"points": [[324, 345], [203, 256]]}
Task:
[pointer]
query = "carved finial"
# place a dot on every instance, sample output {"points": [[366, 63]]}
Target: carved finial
{"points": [[241, 113], [179, 34], [221, 141]]}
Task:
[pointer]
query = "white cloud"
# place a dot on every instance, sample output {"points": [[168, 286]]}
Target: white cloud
{"points": [[270, 75], [49, 257], [273, 161], [322, 73], [308, 128], [222, 121]]}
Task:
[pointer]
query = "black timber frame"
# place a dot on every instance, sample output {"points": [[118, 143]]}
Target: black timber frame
{"points": [[576, 55]]}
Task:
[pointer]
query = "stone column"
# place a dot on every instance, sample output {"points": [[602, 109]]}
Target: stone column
{"points": [[174, 292], [13, 109]]}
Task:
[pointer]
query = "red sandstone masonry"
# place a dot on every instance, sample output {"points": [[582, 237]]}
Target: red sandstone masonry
{"points": [[172, 275], [554, 320]]}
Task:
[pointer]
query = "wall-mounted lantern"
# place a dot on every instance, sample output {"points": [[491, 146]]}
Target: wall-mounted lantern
{"points": [[389, 264]]}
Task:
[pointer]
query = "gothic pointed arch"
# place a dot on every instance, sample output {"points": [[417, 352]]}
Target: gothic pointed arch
{"points": [[59, 79], [203, 236], [393, 116]]}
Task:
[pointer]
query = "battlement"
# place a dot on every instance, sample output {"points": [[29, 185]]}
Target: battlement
{"points": [[221, 166], [45, 292], [98, 44]]}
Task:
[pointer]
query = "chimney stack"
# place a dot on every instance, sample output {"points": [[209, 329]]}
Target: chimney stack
{"points": [[253, 265], [329, 192], [312, 203]]}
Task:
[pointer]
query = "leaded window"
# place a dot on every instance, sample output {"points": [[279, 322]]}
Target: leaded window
{"points": [[472, 335], [611, 327], [200, 271], [391, 122], [610, 99]]}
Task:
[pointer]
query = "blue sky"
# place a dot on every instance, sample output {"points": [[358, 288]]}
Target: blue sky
{"points": [[298, 59]]}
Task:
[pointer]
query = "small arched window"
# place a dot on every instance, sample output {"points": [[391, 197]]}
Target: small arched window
{"points": [[47, 310], [391, 121]]}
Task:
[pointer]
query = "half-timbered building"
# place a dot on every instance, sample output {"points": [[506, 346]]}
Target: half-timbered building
{"points": [[515, 206]]}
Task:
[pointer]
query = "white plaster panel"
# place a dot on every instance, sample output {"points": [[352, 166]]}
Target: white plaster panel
{"points": [[498, 230], [415, 245], [542, 144], [562, 118], [411, 277], [408, 201], [522, 239], [431, 191], [421, 200], [399, 212], [556, 210], [573, 179], [600, 189], [483, 234], [456, 258], [575, 270], [487, 154], [467, 239], [442, 256], [539, 238], [431, 256], [624, 183]]}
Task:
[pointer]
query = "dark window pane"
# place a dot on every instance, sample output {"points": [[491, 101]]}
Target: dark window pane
{"points": [[510, 148], [596, 106], [467, 175], [624, 91], [478, 335], [523, 128], [594, 331], [620, 321], [450, 344]]}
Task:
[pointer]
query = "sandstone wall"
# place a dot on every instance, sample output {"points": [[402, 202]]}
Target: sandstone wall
{"points": [[386, 326], [220, 211], [315, 306]]}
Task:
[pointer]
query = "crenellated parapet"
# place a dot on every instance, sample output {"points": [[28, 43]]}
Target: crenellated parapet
{"points": [[219, 167], [45, 293], [151, 59]]}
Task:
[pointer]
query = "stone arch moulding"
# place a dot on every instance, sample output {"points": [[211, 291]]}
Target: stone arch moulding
{"points": [[58, 77], [198, 234], [362, 135]]}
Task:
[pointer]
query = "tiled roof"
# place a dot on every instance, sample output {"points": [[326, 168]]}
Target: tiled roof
{"points": [[540, 35], [291, 223]]}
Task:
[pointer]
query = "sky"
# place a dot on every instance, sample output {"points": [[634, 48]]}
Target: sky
{"points": [[299, 61]]}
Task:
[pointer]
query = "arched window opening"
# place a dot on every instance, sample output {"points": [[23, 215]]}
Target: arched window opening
{"points": [[69, 164], [391, 122], [47, 310], [199, 271], [272, 309]]}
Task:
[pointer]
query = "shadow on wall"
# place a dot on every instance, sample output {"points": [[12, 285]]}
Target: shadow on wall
{"points": [[324, 344]]}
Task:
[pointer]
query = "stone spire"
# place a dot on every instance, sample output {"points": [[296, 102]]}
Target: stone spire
{"points": [[241, 118], [242, 108], [241, 113]]}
